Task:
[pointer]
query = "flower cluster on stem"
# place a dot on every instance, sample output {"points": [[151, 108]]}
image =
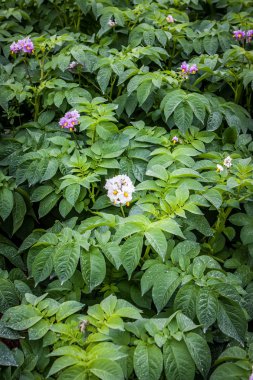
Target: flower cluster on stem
{"points": [[25, 45], [69, 120], [120, 189]]}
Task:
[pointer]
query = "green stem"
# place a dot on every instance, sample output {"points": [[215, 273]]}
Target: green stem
{"points": [[122, 211], [77, 143]]}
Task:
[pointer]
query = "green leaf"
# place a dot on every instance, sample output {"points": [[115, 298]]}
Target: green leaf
{"points": [[42, 265], [143, 91], [65, 260], [183, 117], [18, 212], [169, 225], [176, 360], [41, 192], [157, 240], [214, 121], [158, 171], [164, 287], [61, 363], [21, 317], [229, 371], [106, 369], [171, 102], [47, 204], [38, 330], [103, 78], [6, 202], [68, 308], [6, 356], [8, 294], [214, 197], [186, 300], [93, 267], [197, 106], [199, 352], [131, 253], [206, 307], [74, 373], [210, 44], [231, 319], [148, 362], [7, 333], [72, 193]]}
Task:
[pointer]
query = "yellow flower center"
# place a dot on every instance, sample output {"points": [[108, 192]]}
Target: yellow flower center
{"points": [[115, 192], [125, 194]]}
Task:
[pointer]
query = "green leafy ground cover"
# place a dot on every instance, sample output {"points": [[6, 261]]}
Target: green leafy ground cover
{"points": [[152, 280]]}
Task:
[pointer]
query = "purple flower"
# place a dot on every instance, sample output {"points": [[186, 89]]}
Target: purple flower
{"points": [[15, 47], [69, 120], [175, 139], [25, 45], [239, 34], [184, 67], [193, 69], [73, 65], [249, 35], [251, 376], [170, 19]]}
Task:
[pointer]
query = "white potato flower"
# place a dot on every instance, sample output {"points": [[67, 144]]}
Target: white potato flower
{"points": [[120, 189], [227, 162], [219, 168]]}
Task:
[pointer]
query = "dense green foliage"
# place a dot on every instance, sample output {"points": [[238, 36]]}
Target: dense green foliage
{"points": [[161, 288]]}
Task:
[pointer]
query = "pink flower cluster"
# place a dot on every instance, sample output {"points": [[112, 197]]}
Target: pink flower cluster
{"points": [[241, 34], [25, 45], [187, 69], [69, 120]]}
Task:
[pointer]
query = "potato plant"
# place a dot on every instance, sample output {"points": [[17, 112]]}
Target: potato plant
{"points": [[126, 190]]}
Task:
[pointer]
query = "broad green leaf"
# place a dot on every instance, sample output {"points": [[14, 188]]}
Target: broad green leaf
{"points": [[148, 363], [38, 330], [231, 319], [72, 193], [198, 107], [67, 308], [18, 212], [164, 287], [229, 371], [150, 276], [199, 352], [157, 240], [183, 117], [6, 202], [214, 197], [206, 307], [106, 369], [169, 225], [8, 294], [93, 267], [143, 91], [103, 77], [131, 253], [76, 372], [42, 265], [61, 363], [65, 260], [47, 204], [21, 317], [177, 361], [6, 356], [186, 300], [214, 121], [172, 100]]}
